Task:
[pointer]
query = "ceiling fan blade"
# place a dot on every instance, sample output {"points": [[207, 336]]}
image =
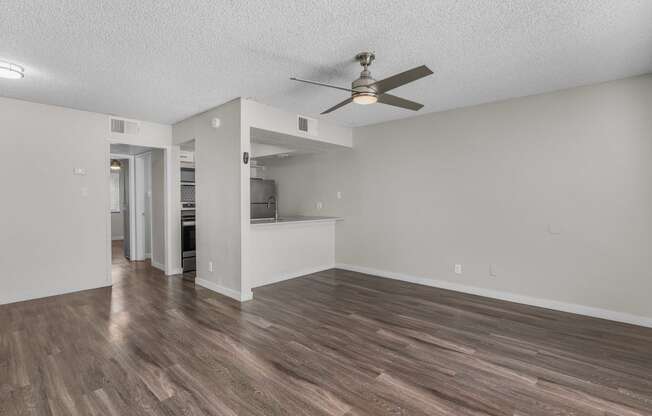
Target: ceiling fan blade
{"points": [[321, 84], [399, 102], [403, 78], [335, 107]]}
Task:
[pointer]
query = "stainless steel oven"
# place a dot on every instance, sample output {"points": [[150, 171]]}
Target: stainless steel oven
{"points": [[187, 196], [188, 256]]}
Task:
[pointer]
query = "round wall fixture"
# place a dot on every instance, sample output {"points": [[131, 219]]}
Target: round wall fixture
{"points": [[115, 164], [11, 71]]}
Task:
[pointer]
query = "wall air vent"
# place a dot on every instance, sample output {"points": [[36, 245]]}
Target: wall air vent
{"points": [[122, 126], [307, 125], [117, 126], [303, 124]]}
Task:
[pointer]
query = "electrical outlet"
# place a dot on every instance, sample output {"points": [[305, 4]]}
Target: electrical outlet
{"points": [[319, 205], [210, 266], [458, 269]]}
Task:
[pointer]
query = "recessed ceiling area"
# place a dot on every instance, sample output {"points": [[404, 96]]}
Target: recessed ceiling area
{"points": [[167, 60], [295, 144], [128, 149]]}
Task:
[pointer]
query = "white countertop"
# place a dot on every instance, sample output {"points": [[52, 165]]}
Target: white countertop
{"points": [[291, 220]]}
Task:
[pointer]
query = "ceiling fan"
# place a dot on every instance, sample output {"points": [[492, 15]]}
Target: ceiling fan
{"points": [[366, 90]]}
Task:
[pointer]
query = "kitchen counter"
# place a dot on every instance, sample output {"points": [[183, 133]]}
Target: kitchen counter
{"points": [[289, 248], [291, 220]]}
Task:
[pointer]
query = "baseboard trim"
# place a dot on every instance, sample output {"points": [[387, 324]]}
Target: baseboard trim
{"points": [[51, 294], [158, 265], [507, 296], [293, 275], [233, 294], [173, 272]]}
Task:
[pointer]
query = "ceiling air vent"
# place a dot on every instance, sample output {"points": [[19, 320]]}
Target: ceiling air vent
{"points": [[124, 126], [307, 125]]}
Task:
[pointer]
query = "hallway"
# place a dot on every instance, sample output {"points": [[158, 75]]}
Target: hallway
{"points": [[122, 268]]}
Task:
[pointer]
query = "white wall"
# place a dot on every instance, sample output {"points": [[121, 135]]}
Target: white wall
{"points": [[56, 240], [117, 226], [304, 180], [218, 193], [158, 208], [486, 185], [149, 134]]}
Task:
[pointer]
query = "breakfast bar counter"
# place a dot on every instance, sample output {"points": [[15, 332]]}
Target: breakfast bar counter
{"points": [[290, 247]]}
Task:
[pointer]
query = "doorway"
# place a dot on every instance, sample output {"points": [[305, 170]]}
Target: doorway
{"points": [[137, 197]]}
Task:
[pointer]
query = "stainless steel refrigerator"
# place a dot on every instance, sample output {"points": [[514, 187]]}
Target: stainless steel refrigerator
{"points": [[263, 198]]}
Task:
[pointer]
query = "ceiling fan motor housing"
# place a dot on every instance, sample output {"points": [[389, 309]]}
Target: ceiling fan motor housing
{"points": [[365, 84]]}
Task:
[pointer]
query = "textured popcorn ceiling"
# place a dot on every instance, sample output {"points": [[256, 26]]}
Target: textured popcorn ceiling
{"points": [[165, 60]]}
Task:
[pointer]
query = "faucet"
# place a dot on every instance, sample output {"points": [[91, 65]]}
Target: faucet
{"points": [[272, 200]]}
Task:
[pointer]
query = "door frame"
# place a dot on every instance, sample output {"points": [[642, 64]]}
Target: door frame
{"points": [[171, 208], [132, 198], [141, 170]]}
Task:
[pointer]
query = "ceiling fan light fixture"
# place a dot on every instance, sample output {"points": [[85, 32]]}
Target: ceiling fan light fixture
{"points": [[11, 71], [366, 90], [365, 99]]}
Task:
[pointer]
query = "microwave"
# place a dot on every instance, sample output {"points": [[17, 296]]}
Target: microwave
{"points": [[188, 175]]}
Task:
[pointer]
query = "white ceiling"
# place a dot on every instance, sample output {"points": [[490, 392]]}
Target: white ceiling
{"points": [[165, 60]]}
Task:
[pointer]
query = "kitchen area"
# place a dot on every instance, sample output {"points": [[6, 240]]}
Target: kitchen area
{"points": [[250, 212], [187, 191], [288, 237]]}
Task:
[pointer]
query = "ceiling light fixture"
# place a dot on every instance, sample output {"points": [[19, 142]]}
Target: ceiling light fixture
{"points": [[364, 99], [11, 71], [115, 164]]}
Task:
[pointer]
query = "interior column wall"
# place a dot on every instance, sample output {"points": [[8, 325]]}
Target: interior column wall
{"points": [[218, 196], [158, 208]]}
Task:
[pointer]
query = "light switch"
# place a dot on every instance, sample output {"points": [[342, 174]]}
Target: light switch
{"points": [[79, 171], [320, 205], [493, 270], [339, 195]]}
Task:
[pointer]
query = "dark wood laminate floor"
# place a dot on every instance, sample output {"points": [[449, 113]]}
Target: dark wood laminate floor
{"points": [[333, 343]]}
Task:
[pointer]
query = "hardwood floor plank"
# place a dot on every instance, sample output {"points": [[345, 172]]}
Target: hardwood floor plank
{"points": [[331, 343]]}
